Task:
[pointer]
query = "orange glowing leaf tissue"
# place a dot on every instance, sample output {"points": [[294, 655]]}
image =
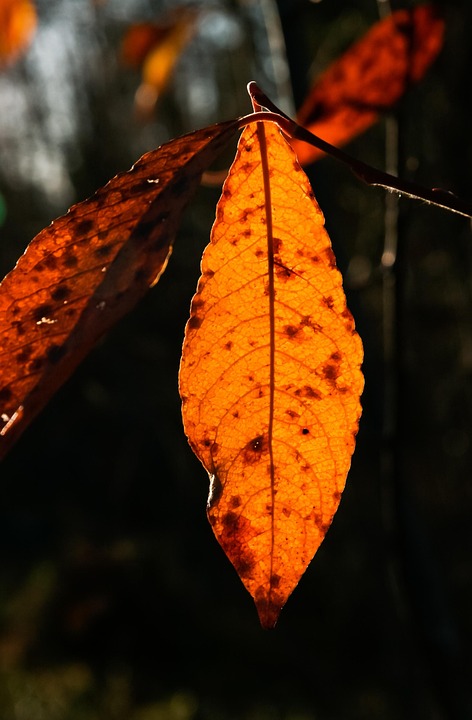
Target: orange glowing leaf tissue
{"points": [[270, 375]]}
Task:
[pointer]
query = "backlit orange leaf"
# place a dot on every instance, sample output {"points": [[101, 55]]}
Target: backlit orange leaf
{"points": [[88, 268], [17, 26], [270, 376], [370, 77]]}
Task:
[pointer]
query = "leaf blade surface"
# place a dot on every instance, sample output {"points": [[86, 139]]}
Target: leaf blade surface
{"points": [[270, 374], [81, 274]]}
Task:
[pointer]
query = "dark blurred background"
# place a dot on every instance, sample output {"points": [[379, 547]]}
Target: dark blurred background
{"points": [[116, 602]]}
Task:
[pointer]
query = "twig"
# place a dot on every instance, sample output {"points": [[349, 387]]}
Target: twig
{"points": [[377, 178]]}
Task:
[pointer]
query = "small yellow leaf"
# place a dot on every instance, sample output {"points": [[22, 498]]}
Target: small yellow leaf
{"points": [[157, 48], [270, 375]]}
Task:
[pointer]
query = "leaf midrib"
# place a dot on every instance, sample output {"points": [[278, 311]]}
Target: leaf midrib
{"points": [[271, 278]]}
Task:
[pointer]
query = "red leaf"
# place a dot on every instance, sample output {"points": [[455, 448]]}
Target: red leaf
{"points": [[370, 77]]}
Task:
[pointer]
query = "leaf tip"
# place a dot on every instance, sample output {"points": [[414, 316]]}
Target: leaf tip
{"points": [[269, 607], [268, 616]]}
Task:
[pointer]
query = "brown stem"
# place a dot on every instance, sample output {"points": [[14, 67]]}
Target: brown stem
{"points": [[377, 178]]}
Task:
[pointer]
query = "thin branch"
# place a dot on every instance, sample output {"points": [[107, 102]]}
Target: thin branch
{"points": [[377, 178]]}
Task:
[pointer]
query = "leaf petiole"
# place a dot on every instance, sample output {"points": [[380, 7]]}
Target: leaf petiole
{"points": [[370, 175]]}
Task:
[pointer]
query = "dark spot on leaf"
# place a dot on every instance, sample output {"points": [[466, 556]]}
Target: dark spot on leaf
{"points": [[277, 245], [84, 226], [236, 414], [247, 233], [256, 444], [328, 302], [291, 330], [315, 259], [254, 449], [336, 496], [228, 345], [138, 187], [5, 394], [282, 272], [243, 566], [275, 580], [103, 250], [56, 353], [307, 391], [197, 302], [18, 326], [50, 262], [194, 322], [330, 257], [209, 273], [331, 372], [142, 231], [207, 442], [70, 260], [235, 501], [42, 311], [336, 356], [259, 253], [292, 413], [346, 314], [60, 293], [36, 365], [305, 431]]}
